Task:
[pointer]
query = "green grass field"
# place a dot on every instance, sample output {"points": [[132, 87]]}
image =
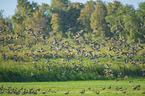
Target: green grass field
{"points": [[75, 87]]}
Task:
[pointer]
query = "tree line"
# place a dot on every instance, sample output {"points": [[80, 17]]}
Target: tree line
{"points": [[97, 17]]}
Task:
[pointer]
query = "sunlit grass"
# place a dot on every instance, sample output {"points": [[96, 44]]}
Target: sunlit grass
{"points": [[75, 87]]}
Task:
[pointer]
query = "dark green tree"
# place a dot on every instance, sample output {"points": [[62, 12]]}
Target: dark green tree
{"points": [[67, 14], [58, 9], [112, 8], [58, 5], [85, 15], [141, 15], [71, 16], [131, 23], [123, 21], [115, 20], [24, 10], [98, 19], [56, 22], [5, 25], [40, 20]]}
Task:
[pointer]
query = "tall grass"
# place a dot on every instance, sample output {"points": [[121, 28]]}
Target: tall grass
{"points": [[28, 60]]}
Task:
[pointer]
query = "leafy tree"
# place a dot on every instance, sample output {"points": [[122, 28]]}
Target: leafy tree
{"points": [[141, 15], [24, 10], [123, 20], [71, 15], [98, 18], [56, 22], [57, 5], [112, 8], [66, 15], [85, 15], [119, 17], [131, 23], [40, 21], [5, 24], [58, 9], [113, 17]]}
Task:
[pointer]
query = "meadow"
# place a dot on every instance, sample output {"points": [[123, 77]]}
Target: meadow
{"points": [[76, 88]]}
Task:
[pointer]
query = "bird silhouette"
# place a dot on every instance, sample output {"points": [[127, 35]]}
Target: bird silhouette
{"points": [[67, 92], [124, 92], [43, 92], [130, 81], [120, 87], [97, 92], [104, 88], [109, 87], [143, 92], [82, 92], [116, 81]]}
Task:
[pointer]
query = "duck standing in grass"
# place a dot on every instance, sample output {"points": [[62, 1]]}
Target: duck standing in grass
{"points": [[109, 87], [43, 92], [103, 88], [143, 92], [82, 92], [67, 92], [124, 92], [97, 92]]}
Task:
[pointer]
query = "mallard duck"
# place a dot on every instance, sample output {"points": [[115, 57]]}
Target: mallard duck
{"points": [[35, 92], [143, 92], [67, 92], [97, 92], [116, 81], [124, 92], [103, 88], [38, 89], [82, 92], [120, 87], [109, 87], [43, 92]]}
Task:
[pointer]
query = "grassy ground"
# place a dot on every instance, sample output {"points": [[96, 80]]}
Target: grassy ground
{"points": [[75, 87]]}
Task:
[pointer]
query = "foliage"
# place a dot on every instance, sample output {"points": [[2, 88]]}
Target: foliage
{"points": [[85, 15], [34, 44], [98, 18]]}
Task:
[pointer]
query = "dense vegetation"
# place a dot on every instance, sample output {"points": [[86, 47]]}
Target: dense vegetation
{"points": [[72, 41]]}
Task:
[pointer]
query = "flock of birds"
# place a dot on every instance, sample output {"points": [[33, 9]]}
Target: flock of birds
{"points": [[118, 50]]}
